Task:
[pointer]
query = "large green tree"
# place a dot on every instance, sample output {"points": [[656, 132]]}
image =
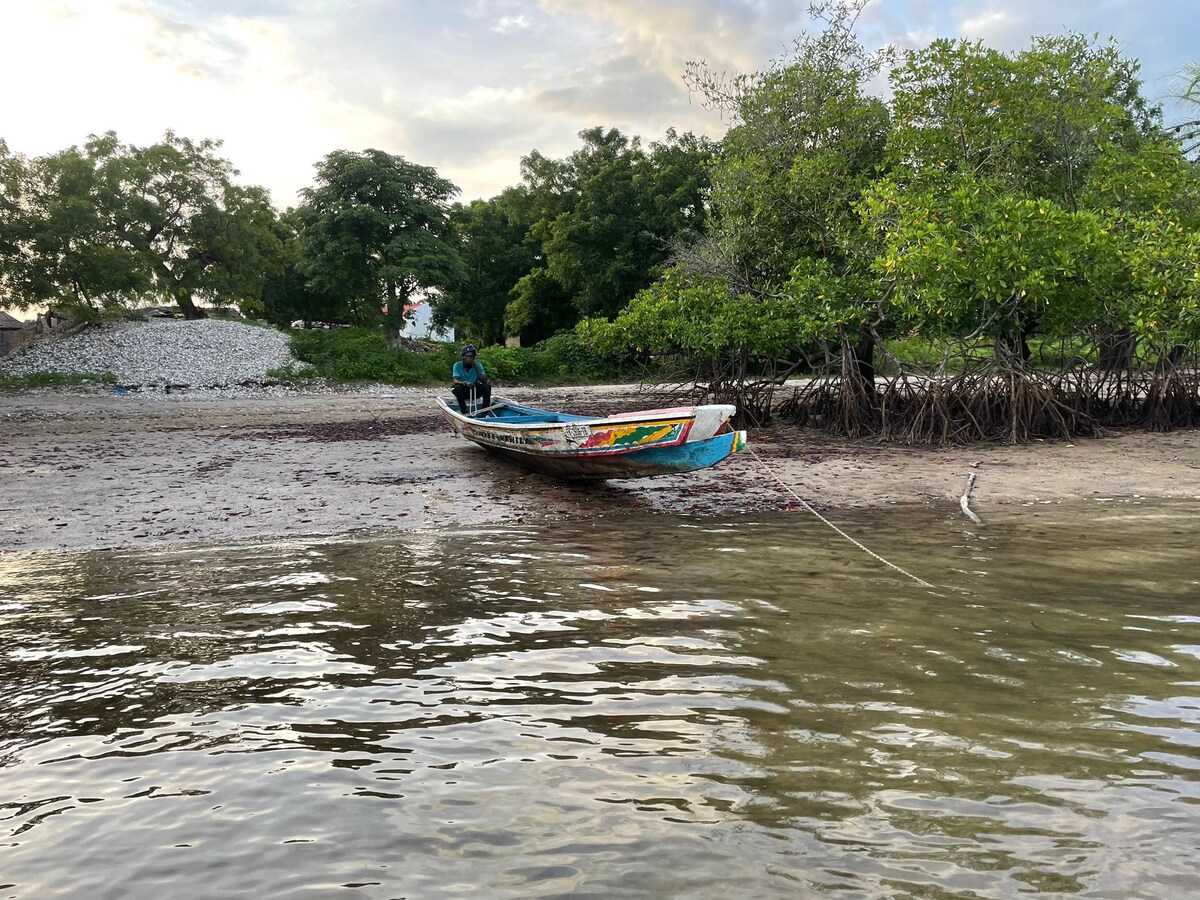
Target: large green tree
{"points": [[1037, 120], [630, 205], [539, 305], [201, 235], [288, 294], [375, 231], [110, 224], [12, 220], [492, 237], [63, 242], [1015, 185], [807, 140], [605, 221]]}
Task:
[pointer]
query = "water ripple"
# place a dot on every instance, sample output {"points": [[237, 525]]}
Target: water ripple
{"points": [[593, 710]]}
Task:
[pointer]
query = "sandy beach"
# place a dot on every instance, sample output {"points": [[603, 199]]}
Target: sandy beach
{"points": [[104, 470]]}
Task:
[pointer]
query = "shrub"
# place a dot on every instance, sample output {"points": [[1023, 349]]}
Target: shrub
{"points": [[567, 356], [361, 354]]}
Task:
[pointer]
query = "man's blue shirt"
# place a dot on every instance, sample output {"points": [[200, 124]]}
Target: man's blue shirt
{"points": [[468, 376]]}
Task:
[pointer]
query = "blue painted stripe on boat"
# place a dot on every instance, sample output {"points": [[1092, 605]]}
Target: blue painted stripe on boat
{"points": [[696, 455]]}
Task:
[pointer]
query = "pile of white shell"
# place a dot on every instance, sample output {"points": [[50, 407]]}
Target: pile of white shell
{"points": [[162, 353]]}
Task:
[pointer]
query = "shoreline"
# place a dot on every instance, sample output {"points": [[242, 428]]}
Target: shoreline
{"points": [[98, 470]]}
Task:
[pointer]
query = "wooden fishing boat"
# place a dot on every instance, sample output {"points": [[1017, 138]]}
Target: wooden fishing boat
{"points": [[589, 448]]}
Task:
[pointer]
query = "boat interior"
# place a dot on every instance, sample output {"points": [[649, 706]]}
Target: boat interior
{"points": [[513, 413]]}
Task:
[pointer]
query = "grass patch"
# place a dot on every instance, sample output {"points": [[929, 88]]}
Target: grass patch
{"points": [[292, 374], [55, 379]]}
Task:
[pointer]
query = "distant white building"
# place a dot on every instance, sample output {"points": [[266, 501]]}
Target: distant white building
{"points": [[418, 323]]}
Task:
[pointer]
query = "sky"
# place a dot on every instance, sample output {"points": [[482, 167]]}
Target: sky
{"points": [[468, 87]]}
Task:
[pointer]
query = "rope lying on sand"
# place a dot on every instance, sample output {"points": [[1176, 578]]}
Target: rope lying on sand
{"points": [[856, 543]]}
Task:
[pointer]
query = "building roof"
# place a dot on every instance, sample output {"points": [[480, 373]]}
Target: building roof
{"points": [[8, 323]]}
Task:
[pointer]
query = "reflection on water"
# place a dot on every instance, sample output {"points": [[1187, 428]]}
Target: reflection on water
{"points": [[639, 706]]}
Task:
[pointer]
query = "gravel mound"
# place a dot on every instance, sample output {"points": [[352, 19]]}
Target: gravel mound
{"points": [[206, 353]]}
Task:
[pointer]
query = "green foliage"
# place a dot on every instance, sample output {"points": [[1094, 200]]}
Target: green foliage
{"points": [[373, 231], [1164, 302], [104, 226], [790, 173], [200, 235], [629, 205], [509, 364], [61, 231], [1032, 194], [837, 305], [1037, 120], [288, 294], [55, 379], [349, 354], [491, 238], [1151, 202], [807, 141], [915, 353], [561, 359], [540, 306], [968, 258], [293, 374], [601, 223], [362, 354], [568, 357], [703, 320]]}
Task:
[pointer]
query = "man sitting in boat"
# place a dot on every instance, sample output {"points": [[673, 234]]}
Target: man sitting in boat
{"points": [[470, 379]]}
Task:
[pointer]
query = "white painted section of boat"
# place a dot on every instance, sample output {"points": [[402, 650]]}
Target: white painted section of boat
{"points": [[709, 420]]}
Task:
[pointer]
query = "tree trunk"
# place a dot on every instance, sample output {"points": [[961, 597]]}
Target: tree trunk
{"points": [[1115, 351], [1014, 347], [862, 365], [393, 320], [188, 308], [1176, 354]]}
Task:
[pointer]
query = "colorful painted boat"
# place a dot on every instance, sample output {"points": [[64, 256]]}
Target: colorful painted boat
{"points": [[588, 448]]}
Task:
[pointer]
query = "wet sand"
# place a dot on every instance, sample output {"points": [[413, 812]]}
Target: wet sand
{"points": [[102, 470]]}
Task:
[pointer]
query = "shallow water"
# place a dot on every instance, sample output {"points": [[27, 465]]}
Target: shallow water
{"points": [[628, 706]]}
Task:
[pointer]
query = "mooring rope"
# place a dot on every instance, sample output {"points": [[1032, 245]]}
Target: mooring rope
{"points": [[856, 543]]}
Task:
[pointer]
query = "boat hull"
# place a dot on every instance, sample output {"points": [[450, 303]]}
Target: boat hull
{"points": [[581, 448], [635, 464]]}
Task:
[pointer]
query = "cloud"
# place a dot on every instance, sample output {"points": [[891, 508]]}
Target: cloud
{"points": [[467, 87], [569, 71], [129, 68], [666, 34], [617, 88], [510, 24]]}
